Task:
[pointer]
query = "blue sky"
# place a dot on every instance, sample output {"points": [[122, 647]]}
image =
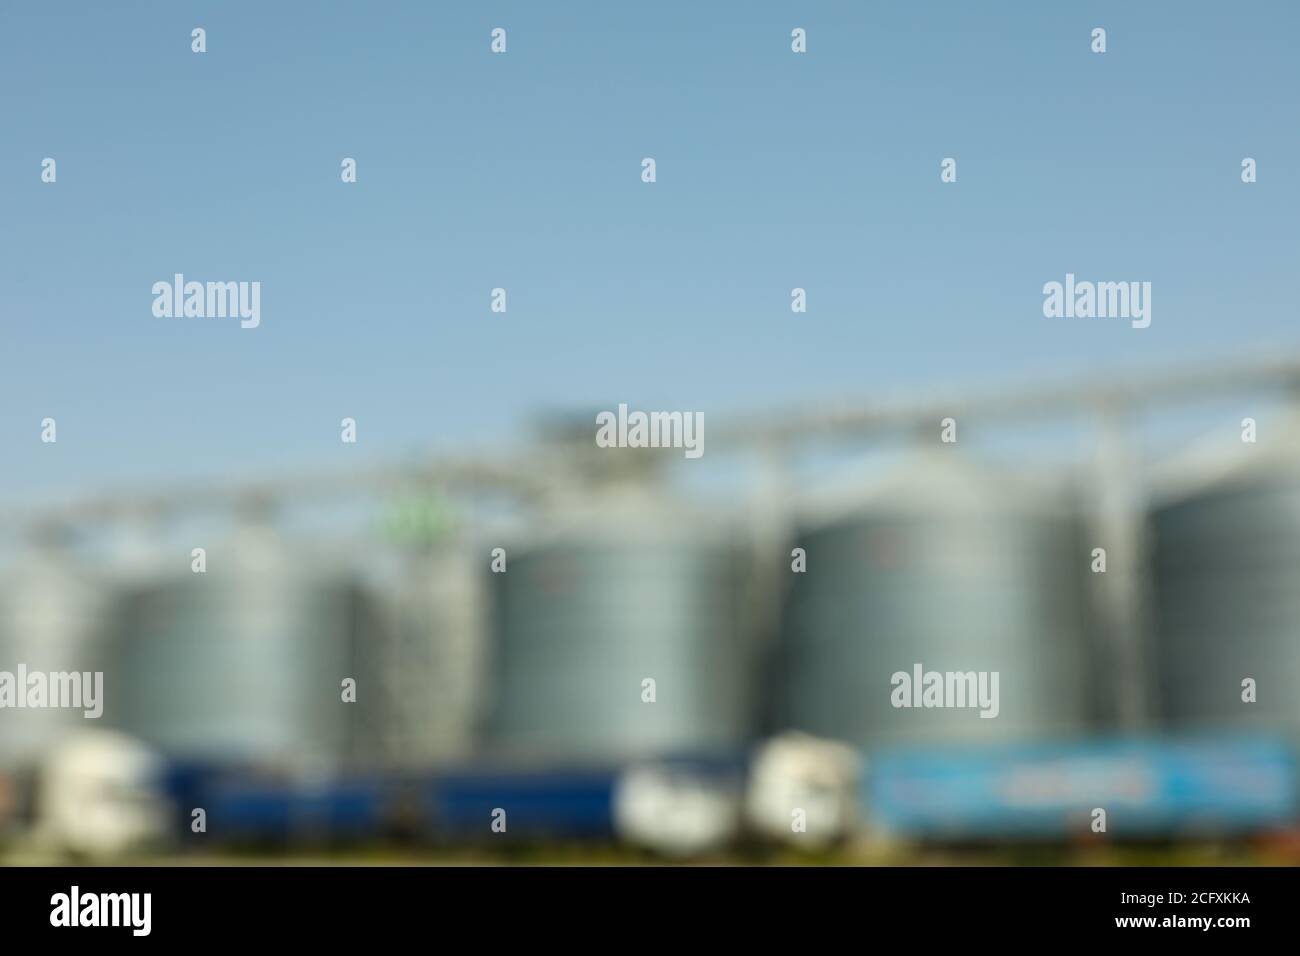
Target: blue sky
{"points": [[523, 171]]}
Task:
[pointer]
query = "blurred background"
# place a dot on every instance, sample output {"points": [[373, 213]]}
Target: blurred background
{"points": [[591, 654], [523, 689]]}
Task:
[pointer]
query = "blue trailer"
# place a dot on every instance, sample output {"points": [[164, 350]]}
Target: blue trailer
{"points": [[254, 805], [557, 803], [477, 802], [1147, 788]]}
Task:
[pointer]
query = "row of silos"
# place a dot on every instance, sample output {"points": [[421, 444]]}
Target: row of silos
{"points": [[943, 565], [963, 568], [622, 624], [271, 656]]}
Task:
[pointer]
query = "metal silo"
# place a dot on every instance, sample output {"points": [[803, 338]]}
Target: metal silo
{"points": [[51, 616], [615, 593], [946, 566], [244, 662], [426, 659], [1226, 596]]}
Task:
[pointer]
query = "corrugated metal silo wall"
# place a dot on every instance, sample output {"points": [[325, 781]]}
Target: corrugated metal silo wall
{"points": [[1226, 568], [1000, 592], [52, 616], [426, 661], [241, 666], [578, 626]]}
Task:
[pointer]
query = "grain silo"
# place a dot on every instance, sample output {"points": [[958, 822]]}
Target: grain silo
{"points": [[1225, 556], [52, 610], [426, 661], [941, 568], [245, 661], [616, 633]]}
